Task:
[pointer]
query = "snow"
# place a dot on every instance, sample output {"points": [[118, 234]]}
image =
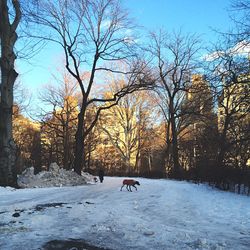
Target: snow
{"points": [[162, 214], [55, 177]]}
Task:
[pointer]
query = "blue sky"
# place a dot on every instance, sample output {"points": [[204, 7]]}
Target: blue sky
{"points": [[195, 16]]}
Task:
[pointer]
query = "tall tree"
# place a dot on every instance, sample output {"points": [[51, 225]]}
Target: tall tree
{"points": [[92, 34], [8, 37], [26, 137], [175, 59], [229, 64], [120, 124], [58, 125]]}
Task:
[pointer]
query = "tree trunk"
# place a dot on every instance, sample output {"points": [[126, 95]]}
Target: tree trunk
{"points": [[176, 169], [66, 147], [221, 154], [176, 166], [168, 148], [36, 155], [8, 37], [223, 143], [87, 169], [79, 144]]}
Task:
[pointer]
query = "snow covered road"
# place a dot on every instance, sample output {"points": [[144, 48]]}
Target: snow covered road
{"points": [[162, 214]]}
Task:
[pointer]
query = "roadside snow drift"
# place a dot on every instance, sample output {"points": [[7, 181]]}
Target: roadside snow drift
{"points": [[55, 177], [162, 214]]}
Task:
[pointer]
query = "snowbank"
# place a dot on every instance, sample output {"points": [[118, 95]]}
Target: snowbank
{"points": [[55, 177]]}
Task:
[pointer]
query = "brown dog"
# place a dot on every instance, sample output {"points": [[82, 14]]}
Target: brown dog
{"points": [[129, 183]]}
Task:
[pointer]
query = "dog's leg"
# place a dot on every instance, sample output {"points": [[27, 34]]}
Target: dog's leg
{"points": [[135, 187], [130, 188], [127, 187], [121, 187]]}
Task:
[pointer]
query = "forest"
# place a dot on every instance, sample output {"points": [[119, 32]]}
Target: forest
{"points": [[162, 106]]}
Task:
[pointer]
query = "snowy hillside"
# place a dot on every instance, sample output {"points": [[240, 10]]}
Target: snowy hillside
{"points": [[162, 214]]}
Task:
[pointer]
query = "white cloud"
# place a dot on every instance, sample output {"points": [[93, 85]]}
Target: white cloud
{"points": [[242, 48], [213, 56], [105, 24]]}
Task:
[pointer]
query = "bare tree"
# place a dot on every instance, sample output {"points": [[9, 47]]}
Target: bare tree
{"points": [[8, 38], [119, 124], [175, 61], [230, 74], [197, 118], [240, 14], [58, 124], [92, 34], [22, 98]]}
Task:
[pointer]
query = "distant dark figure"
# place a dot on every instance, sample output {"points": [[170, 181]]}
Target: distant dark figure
{"points": [[129, 183], [101, 175]]}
